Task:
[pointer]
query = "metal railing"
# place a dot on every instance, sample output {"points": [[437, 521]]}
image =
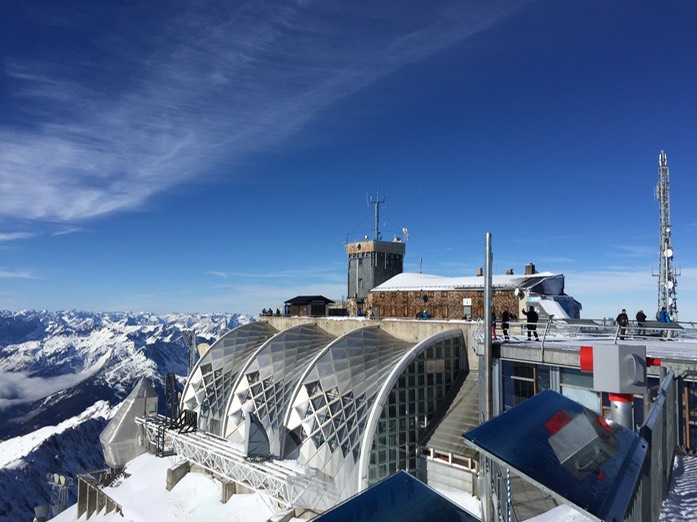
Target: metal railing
{"points": [[553, 328], [661, 434]]}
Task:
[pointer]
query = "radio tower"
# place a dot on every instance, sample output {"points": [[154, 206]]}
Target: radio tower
{"points": [[667, 278]]}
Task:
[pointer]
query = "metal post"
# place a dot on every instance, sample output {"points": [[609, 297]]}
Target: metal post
{"points": [[487, 413], [622, 409], [485, 403]]}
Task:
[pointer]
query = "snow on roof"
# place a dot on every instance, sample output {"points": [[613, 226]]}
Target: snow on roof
{"points": [[414, 281], [552, 307]]}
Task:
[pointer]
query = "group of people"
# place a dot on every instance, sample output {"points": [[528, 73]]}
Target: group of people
{"points": [[507, 316], [264, 311], [622, 320]]}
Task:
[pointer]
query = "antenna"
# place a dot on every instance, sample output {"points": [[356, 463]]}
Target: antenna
{"points": [[667, 277], [377, 202], [60, 487]]}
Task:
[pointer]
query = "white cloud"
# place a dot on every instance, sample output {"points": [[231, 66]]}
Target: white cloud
{"points": [[12, 236], [9, 273], [165, 104], [19, 387]]}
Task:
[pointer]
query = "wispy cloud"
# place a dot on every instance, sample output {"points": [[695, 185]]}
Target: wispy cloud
{"points": [[13, 236], [205, 84], [8, 273], [66, 231]]}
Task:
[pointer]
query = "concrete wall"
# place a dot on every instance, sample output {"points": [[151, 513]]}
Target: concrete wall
{"points": [[91, 499], [407, 329]]}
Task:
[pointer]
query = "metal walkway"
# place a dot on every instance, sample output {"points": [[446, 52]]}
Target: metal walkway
{"points": [[284, 481]]}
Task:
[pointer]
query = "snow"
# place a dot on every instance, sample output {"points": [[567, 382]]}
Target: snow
{"points": [[13, 450], [464, 500], [561, 514], [144, 497], [681, 503]]}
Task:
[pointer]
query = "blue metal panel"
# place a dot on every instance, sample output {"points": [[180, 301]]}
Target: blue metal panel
{"points": [[399, 498], [567, 450]]}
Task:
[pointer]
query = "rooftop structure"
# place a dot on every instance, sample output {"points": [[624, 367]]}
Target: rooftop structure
{"points": [[349, 409], [372, 261], [458, 297]]}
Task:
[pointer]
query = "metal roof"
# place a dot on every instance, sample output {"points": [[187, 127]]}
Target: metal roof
{"points": [[308, 299]]}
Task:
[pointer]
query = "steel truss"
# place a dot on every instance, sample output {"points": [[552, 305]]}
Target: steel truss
{"points": [[285, 483]]}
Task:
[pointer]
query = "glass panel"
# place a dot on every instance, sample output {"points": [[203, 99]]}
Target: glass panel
{"points": [[587, 398], [568, 449], [576, 378]]}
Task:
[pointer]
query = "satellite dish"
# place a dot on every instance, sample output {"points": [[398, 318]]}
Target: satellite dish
{"points": [[55, 478], [203, 348], [61, 480], [520, 294], [671, 284], [668, 252]]}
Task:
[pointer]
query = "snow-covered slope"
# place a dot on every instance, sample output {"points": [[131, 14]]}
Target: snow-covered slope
{"points": [[57, 367]]}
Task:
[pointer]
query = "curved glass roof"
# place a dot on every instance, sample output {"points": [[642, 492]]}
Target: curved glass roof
{"points": [[330, 409], [265, 383], [208, 388], [321, 399]]}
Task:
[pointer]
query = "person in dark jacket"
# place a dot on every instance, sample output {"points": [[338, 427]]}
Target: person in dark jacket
{"points": [[622, 321], [640, 320], [532, 316], [493, 325], [505, 318]]}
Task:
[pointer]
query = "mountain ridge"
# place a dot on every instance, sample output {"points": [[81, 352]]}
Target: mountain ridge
{"points": [[56, 366]]}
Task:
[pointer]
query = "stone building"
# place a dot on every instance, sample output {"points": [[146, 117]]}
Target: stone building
{"points": [[408, 294]]}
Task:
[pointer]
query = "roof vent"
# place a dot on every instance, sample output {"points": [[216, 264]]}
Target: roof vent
{"points": [[509, 271], [480, 272]]}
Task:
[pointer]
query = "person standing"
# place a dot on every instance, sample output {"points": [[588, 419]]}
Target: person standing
{"points": [[493, 325], [532, 316], [622, 321], [663, 315], [640, 320], [505, 318]]}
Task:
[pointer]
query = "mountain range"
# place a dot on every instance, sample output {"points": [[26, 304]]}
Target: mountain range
{"points": [[62, 376]]}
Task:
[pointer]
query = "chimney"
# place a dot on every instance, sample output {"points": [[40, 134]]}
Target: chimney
{"points": [[509, 271], [480, 272], [530, 269]]}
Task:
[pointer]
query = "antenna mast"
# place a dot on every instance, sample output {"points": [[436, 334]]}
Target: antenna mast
{"points": [[377, 202], [667, 278]]}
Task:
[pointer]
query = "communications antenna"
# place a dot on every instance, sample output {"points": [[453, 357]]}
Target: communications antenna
{"points": [[377, 202], [667, 277], [60, 488]]}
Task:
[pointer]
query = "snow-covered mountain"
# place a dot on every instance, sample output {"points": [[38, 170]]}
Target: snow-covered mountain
{"points": [[62, 374]]}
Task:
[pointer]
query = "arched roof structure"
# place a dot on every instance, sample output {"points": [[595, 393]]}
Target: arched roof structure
{"points": [[347, 409], [209, 385]]}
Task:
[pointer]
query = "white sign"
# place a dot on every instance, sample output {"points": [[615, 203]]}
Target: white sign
{"points": [[466, 301]]}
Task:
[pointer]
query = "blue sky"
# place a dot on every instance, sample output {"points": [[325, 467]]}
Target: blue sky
{"points": [[214, 156]]}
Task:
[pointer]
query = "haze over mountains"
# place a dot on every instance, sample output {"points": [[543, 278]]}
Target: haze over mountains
{"points": [[61, 376]]}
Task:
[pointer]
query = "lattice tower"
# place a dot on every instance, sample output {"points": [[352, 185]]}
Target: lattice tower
{"points": [[667, 277]]}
